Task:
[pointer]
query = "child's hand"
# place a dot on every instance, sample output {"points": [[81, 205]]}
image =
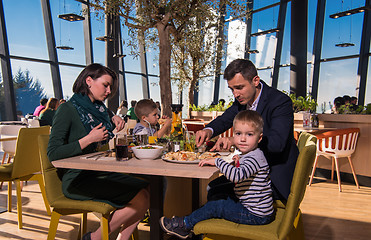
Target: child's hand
{"points": [[207, 161], [235, 158], [167, 122]]}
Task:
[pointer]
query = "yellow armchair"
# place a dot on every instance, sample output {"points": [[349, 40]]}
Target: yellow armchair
{"points": [[287, 223]]}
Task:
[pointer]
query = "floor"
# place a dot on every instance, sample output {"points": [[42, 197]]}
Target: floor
{"points": [[327, 214]]}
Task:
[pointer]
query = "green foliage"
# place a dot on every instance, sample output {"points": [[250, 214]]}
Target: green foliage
{"points": [[205, 108], [301, 103]]}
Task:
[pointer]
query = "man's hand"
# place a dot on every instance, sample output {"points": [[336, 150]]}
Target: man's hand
{"points": [[224, 143], [119, 122], [203, 136], [207, 161]]}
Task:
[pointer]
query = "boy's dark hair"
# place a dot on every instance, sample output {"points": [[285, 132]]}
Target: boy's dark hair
{"points": [[252, 117], [144, 107], [243, 66], [94, 71]]}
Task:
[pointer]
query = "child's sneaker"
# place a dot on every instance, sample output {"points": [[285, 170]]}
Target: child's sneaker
{"points": [[175, 226]]}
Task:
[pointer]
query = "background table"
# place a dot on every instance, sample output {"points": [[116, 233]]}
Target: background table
{"points": [[156, 169]]}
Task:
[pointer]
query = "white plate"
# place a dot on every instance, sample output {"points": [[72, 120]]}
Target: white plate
{"points": [[183, 162]]}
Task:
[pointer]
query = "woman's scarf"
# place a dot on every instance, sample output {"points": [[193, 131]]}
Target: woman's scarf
{"points": [[92, 114]]}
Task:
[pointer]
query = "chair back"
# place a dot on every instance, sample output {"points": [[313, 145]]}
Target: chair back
{"points": [[7, 131], [194, 127], [53, 185], [26, 160], [339, 143], [304, 163]]}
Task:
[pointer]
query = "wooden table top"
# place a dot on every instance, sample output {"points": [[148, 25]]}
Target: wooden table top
{"points": [[156, 167]]}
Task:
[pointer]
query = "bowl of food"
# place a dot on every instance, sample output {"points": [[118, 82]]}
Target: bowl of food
{"points": [[147, 151]]}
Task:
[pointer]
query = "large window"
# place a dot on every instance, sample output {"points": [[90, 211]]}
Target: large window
{"points": [[68, 77], [25, 28], [346, 29], [134, 87], [334, 82], [31, 82], [68, 33], [265, 44]]}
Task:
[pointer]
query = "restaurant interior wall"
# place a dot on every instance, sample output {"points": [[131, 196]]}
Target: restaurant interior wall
{"points": [[28, 50]]}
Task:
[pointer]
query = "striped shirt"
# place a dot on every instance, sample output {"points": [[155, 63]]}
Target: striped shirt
{"points": [[253, 184], [141, 129]]}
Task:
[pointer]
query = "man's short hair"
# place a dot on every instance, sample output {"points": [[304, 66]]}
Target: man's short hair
{"points": [[252, 117], [243, 66], [144, 107]]}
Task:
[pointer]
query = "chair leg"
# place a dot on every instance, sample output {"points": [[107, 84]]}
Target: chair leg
{"points": [[53, 226], [10, 196], [332, 168], [43, 192], [83, 224], [104, 226], [2, 162], [338, 173], [135, 235], [354, 173], [313, 170], [19, 203], [297, 233]]}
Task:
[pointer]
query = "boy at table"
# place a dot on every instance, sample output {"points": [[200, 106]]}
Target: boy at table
{"points": [[252, 201], [147, 113]]}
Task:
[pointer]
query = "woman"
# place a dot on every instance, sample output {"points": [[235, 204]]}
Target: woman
{"points": [[122, 109], [48, 112], [82, 125]]}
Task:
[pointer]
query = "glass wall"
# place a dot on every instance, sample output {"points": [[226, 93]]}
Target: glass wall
{"points": [[25, 29], [30, 58], [334, 82]]}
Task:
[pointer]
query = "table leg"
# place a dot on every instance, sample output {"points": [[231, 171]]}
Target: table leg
{"points": [[196, 200], [156, 207]]}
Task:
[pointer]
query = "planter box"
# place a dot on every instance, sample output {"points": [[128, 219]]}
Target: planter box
{"points": [[207, 116]]}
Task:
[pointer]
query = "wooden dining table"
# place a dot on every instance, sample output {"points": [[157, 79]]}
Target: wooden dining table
{"points": [[156, 170]]}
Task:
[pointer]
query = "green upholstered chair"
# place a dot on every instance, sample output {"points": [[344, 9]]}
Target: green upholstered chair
{"points": [[25, 167], [66, 206], [287, 223]]}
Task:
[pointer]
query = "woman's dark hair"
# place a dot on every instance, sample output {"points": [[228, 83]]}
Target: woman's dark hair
{"points": [[94, 71], [243, 66]]}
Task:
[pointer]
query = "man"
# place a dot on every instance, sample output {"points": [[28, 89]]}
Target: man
{"points": [[278, 143]]}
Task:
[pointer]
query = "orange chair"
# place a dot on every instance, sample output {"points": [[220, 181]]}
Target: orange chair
{"points": [[194, 125], [336, 144]]}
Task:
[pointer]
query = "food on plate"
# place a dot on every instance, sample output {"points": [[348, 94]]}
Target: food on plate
{"points": [[209, 155], [189, 156], [181, 156]]}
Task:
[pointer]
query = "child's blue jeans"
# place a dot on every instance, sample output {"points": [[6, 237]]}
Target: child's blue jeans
{"points": [[225, 209]]}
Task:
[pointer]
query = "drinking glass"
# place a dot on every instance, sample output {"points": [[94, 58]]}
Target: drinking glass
{"points": [[121, 147], [190, 141]]}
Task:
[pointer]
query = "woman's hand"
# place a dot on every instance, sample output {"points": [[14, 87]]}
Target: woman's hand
{"points": [[224, 143], [207, 161], [119, 122], [97, 134]]}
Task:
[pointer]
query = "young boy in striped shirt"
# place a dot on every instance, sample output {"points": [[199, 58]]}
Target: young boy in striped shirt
{"points": [[253, 202]]}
